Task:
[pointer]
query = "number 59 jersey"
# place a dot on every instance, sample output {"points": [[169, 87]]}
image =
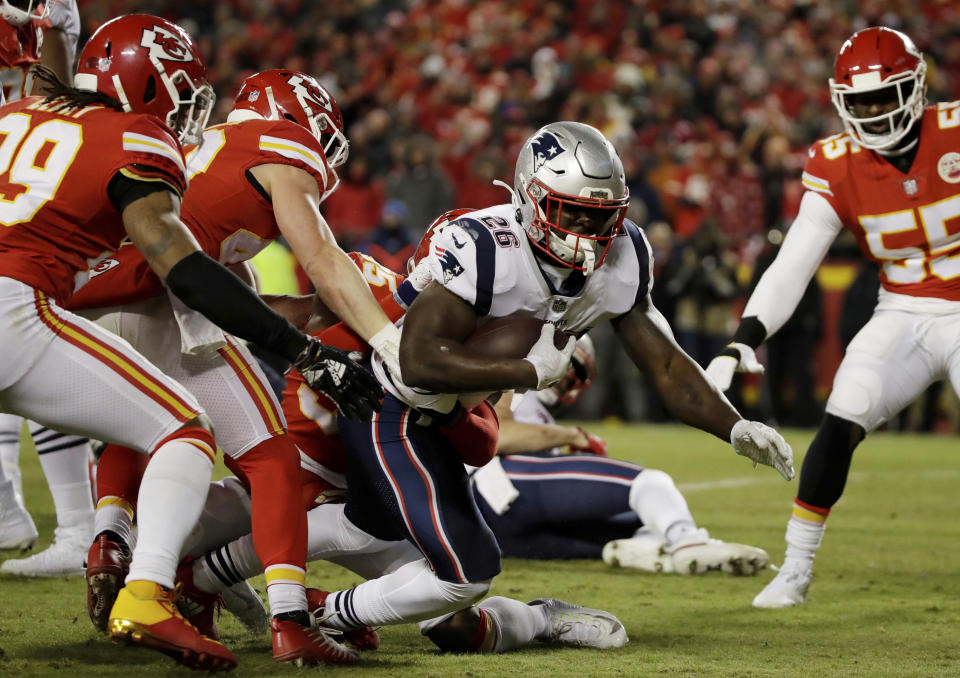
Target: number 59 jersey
{"points": [[56, 218], [484, 258], [909, 223]]}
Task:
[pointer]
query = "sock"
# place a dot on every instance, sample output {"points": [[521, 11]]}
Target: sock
{"points": [[657, 501], [10, 428], [172, 494], [516, 624], [279, 520], [410, 594], [227, 565], [119, 472], [67, 475], [113, 515], [805, 531], [225, 517]]}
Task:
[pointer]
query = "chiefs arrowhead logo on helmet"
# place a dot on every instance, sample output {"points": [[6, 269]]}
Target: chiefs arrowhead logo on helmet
{"points": [[308, 92], [165, 45]]}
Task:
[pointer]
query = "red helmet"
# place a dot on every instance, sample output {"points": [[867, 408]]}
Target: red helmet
{"points": [[879, 61], [20, 12], [149, 65], [284, 94], [579, 376], [423, 247]]}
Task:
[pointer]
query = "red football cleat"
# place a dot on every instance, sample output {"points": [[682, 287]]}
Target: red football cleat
{"points": [[303, 645], [199, 607], [364, 639], [107, 567], [146, 615]]}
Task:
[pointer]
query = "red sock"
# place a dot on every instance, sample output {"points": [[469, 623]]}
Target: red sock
{"points": [[119, 472]]}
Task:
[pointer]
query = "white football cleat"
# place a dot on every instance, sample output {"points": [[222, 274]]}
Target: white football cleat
{"points": [[638, 553], [581, 626], [65, 557], [242, 601], [17, 530], [788, 588], [698, 553]]}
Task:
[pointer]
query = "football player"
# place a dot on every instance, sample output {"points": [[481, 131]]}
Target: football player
{"points": [[85, 168], [33, 33], [630, 515], [893, 179], [261, 175], [561, 251]]}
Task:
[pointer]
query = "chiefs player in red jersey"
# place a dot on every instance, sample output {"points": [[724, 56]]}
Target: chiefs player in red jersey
{"points": [[261, 175], [893, 180], [34, 32], [82, 170]]}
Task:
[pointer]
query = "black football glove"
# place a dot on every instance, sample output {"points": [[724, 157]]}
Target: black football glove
{"points": [[352, 387]]}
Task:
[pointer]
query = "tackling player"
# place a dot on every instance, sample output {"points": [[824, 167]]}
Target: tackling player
{"points": [[85, 168], [261, 175], [893, 179]]}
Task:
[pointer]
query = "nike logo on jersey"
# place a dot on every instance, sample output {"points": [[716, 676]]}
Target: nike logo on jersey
{"points": [[457, 243]]}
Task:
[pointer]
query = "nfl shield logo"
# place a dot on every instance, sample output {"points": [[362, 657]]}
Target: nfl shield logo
{"points": [[910, 186], [559, 305]]}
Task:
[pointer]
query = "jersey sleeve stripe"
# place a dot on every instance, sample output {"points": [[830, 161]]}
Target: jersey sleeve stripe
{"points": [[486, 264], [140, 143], [294, 151], [816, 183], [131, 173], [644, 259]]}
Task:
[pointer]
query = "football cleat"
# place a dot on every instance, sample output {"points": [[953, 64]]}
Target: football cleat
{"points": [[242, 601], [363, 639], [581, 626], [107, 567], [304, 645], [788, 588], [197, 606], [17, 530], [698, 553], [638, 553], [146, 615], [64, 557]]}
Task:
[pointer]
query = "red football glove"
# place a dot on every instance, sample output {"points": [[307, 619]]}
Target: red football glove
{"points": [[595, 445]]}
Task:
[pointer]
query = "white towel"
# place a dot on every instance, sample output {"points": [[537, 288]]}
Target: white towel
{"points": [[495, 486], [197, 334]]}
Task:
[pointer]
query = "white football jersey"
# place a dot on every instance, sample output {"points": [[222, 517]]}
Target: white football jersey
{"points": [[484, 258]]}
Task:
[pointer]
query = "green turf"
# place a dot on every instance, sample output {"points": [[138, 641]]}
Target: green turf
{"points": [[884, 601]]}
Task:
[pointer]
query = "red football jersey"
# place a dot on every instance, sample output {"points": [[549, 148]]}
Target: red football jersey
{"points": [[54, 173], [909, 223], [230, 217]]}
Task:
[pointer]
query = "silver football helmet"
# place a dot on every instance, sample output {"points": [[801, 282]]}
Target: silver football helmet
{"points": [[570, 194]]}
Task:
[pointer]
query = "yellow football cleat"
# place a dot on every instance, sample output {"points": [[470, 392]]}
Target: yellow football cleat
{"points": [[146, 615]]}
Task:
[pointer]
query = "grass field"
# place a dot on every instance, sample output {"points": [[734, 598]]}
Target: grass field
{"points": [[885, 599]]}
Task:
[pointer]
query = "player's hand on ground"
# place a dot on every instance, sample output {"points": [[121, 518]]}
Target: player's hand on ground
{"points": [[736, 357], [333, 371], [587, 443], [763, 445], [550, 362]]}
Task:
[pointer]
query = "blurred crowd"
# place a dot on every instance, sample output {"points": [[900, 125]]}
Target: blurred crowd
{"points": [[712, 105]]}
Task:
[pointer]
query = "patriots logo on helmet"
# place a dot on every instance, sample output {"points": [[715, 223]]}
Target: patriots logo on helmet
{"points": [[165, 45], [451, 267], [545, 147]]}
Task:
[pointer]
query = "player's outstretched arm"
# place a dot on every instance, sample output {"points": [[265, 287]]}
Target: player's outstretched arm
{"points": [[689, 395]]}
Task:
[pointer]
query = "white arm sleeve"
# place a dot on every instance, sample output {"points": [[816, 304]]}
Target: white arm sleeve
{"points": [[783, 284]]}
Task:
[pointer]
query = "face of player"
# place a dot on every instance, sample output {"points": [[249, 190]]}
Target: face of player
{"points": [[580, 219], [873, 105]]}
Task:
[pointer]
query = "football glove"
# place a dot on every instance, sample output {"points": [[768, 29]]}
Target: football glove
{"points": [[595, 445], [736, 357], [352, 387], [550, 362], [763, 445], [386, 343]]}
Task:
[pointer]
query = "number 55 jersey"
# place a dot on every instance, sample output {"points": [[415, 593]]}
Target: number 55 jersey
{"points": [[56, 217], [909, 223]]}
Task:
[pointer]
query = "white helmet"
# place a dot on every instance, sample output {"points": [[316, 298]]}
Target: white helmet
{"points": [[569, 166], [19, 12], [881, 62]]}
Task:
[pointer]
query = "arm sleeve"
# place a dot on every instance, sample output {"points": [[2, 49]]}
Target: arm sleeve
{"points": [[782, 285], [226, 301], [475, 435]]}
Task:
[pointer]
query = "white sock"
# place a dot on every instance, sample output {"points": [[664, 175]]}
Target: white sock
{"points": [[225, 517], [172, 494], [803, 538], [10, 428], [655, 498], [114, 514], [410, 594], [285, 591], [227, 565], [69, 481], [516, 624]]}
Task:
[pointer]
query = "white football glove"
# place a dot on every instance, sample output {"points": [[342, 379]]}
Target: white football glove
{"points": [[421, 276], [763, 445], [721, 369], [386, 343], [550, 363]]}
